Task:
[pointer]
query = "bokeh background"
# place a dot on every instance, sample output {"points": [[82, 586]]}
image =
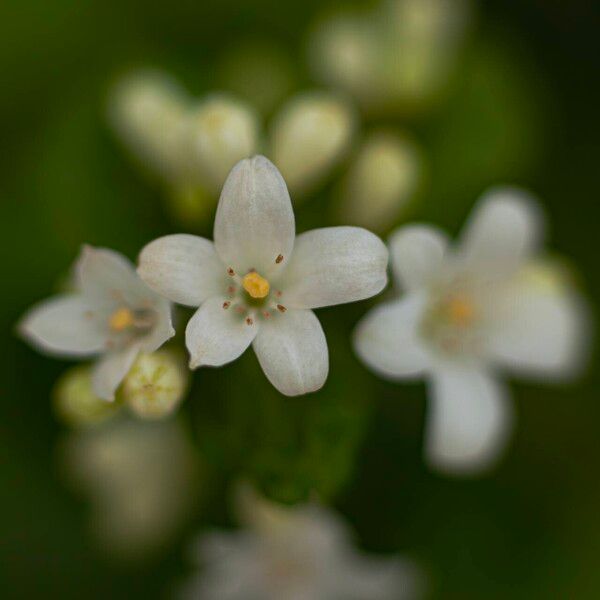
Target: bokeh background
{"points": [[521, 108]]}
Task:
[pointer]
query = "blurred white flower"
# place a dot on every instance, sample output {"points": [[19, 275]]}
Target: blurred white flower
{"points": [[467, 316], [156, 384], [380, 181], [140, 478], [398, 55], [294, 553], [113, 315], [309, 136], [258, 282], [190, 145]]}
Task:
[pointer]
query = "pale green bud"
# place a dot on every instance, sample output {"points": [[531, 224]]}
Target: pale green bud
{"points": [[220, 132], [310, 135], [381, 181], [75, 402], [156, 384], [147, 112]]}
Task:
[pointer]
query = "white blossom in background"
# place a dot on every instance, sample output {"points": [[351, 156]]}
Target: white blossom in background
{"points": [[112, 315], [303, 552], [467, 316], [309, 136], [381, 181], [258, 283], [396, 56], [189, 145], [140, 479]]}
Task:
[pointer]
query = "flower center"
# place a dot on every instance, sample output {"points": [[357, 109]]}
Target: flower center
{"points": [[256, 285], [460, 311], [121, 319]]}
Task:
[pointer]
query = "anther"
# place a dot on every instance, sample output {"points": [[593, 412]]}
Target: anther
{"points": [[249, 321], [279, 259], [230, 271], [226, 304], [231, 289], [281, 308]]}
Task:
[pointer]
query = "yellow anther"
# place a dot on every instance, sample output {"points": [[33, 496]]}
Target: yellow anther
{"points": [[121, 319], [461, 311], [255, 285]]}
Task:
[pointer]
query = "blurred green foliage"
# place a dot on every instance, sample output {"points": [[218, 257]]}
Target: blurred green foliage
{"points": [[522, 108]]}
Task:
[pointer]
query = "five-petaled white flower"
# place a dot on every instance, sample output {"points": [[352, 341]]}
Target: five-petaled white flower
{"points": [[467, 314], [294, 553], [258, 282], [113, 314]]}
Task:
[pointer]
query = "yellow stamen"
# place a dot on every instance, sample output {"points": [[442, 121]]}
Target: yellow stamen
{"points": [[461, 311], [121, 319], [255, 285]]}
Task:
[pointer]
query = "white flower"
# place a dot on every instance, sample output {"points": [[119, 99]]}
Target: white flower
{"points": [[294, 553], [113, 315], [468, 315], [140, 478], [258, 282]]}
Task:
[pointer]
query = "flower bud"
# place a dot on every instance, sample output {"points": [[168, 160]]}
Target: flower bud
{"points": [[156, 384], [147, 111], [310, 135], [75, 402], [220, 132], [381, 181]]}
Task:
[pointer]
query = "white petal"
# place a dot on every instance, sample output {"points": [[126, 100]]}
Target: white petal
{"points": [[334, 265], [215, 336], [417, 253], [292, 351], [162, 330], [255, 220], [541, 332], [184, 268], [64, 325], [469, 420], [388, 341], [109, 277], [111, 370], [503, 231]]}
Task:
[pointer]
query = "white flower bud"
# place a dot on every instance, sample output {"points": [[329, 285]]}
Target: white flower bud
{"points": [[220, 132], [381, 181], [75, 402], [156, 384], [147, 110], [310, 135]]}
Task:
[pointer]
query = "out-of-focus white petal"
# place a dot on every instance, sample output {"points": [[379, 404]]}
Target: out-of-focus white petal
{"points": [[108, 277], [388, 341], [542, 330], [215, 336], [417, 253], [184, 268], [292, 351], [469, 420], [334, 265], [221, 131], [309, 136], [255, 221], [162, 330], [111, 369], [504, 229], [64, 325]]}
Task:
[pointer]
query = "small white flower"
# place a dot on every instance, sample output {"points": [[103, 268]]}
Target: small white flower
{"points": [[468, 315], [258, 282], [113, 315], [294, 553]]}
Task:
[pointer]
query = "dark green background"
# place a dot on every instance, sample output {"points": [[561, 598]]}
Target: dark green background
{"points": [[523, 109]]}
